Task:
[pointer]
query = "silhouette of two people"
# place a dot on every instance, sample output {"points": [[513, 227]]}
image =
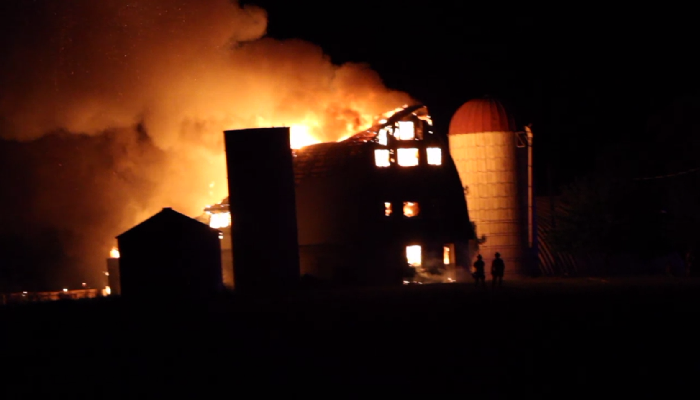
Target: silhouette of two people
{"points": [[498, 267]]}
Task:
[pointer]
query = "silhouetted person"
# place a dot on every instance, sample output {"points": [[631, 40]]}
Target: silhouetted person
{"points": [[688, 263], [498, 267], [479, 271]]}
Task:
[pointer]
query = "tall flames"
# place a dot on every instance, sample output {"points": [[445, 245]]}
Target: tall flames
{"points": [[131, 98]]}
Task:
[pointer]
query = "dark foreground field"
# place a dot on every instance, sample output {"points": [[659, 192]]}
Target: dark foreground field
{"points": [[561, 338]]}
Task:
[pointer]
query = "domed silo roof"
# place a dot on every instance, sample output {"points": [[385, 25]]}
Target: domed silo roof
{"points": [[481, 115]]}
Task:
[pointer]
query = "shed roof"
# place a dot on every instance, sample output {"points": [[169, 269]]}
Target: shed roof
{"points": [[168, 219]]}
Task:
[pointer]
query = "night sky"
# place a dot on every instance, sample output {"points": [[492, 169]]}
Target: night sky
{"points": [[586, 78]]}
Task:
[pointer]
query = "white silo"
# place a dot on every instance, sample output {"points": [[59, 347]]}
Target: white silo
{"points": [[484, 146]]}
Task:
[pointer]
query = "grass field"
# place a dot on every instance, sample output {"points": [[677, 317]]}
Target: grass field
{"points": [[560, 337]]}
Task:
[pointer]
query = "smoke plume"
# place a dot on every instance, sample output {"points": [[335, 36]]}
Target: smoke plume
{"points": [[111, 110]]}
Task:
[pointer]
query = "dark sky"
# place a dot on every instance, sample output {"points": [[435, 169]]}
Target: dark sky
{"points": [[586, 78]]}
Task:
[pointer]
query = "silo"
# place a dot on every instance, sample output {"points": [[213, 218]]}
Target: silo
{"points": [[483, 145], [262, 202]]}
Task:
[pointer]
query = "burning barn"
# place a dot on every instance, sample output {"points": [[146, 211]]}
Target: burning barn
{"points": [[381, 207], [382, 204]]}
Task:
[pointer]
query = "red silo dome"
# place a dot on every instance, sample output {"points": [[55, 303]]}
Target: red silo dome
{"points": [[481, 115]]}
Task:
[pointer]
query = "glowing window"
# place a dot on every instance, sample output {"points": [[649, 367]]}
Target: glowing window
{"points": [[407, 130], [434, 155], [382, 136], [114, 253], [387, 209], [446, 255], [413, 255], [410, 209], [220, 220], [381, 158], [408, 157]]}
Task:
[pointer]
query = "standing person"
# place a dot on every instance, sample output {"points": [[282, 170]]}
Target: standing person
{"points": [[479, 271], [497, 269]]}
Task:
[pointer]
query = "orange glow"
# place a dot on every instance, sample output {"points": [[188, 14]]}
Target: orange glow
{"points": [[387, 209], [114, 253], [446, 255], [410, 209]]}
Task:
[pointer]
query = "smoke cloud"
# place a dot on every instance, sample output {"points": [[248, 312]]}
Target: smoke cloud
{"points": [[111, 110]]}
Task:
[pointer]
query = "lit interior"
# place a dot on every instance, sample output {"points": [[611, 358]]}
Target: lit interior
{"points": [[407, 130], [413, 255], [382, 136], [381, 158], [220, 220], [434, 155], [446, 255], [114, 253], [387, 209], [410, 209], [408, 157]]}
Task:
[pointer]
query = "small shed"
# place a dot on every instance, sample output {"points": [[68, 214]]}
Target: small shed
{"points": [[170, 254]]}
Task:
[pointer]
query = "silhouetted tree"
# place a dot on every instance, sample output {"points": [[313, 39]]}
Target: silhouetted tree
{"points": [[607, 213], [642, 198], [586, 221], [672, 171]]}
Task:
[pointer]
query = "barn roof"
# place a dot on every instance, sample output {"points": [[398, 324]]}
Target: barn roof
{"points": [[325, 159]]}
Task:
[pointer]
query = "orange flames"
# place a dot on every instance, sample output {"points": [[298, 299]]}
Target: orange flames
{"points": [[310, 131], [149, 87], [300, 136]]}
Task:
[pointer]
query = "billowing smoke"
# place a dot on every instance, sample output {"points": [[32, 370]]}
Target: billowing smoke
{"points": [[111, 110]]}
